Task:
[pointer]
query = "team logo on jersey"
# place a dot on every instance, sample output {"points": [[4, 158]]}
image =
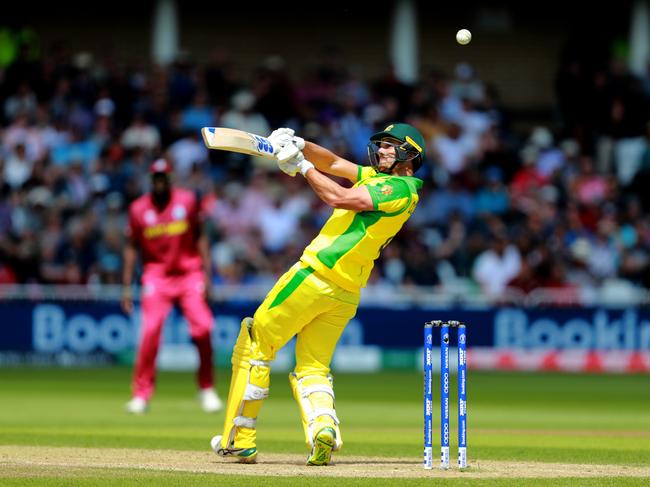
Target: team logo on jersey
{"points": [[179, 212], [386, 190], [149, 217]]}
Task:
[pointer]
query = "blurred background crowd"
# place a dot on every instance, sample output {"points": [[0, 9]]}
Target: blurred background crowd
{"points": [[561, 205]]}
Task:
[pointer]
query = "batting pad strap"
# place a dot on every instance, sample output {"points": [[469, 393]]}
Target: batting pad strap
{"points": [[244, 422], [255, 393], [260, 363], [323, 412], [308, 390]]}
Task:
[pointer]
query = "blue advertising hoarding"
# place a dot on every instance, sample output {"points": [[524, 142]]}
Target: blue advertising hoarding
{"points": [[86, 327]]}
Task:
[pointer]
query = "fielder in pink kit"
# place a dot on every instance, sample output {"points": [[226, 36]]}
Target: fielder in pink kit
{"points": [[165, 226]]}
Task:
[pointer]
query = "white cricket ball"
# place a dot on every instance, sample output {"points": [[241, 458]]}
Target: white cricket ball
{"points": [[463, 36]]}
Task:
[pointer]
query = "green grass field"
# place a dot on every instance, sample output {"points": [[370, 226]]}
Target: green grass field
{"points": [[600, 423]]}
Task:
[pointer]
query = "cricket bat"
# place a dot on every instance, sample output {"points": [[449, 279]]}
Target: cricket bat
{"points": [[233, 140]]}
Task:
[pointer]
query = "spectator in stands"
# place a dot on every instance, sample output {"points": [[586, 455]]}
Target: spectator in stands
{"points": [[243, 116], [493, 196], [188, 152], [17, 168], [141, 134], [455, 149], [497, 266], [65, 110], [467, 85], [23, 101], [199, 114]]}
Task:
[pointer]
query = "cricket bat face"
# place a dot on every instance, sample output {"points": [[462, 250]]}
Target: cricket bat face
{"points": [[233, 140]]}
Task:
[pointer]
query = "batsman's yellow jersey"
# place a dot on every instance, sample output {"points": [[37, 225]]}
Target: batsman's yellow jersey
{"points": [[348, 244]]}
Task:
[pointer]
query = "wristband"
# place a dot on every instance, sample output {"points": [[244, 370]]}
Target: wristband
{"points": [[305, 166]]}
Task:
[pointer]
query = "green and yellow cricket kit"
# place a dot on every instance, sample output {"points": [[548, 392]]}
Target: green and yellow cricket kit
{"points": [[314, 301], [346, 248]]}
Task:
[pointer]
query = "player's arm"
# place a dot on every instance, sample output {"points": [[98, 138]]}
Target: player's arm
{"points": [[328, 162], [203, 246], [355, 199], [129, 258]]}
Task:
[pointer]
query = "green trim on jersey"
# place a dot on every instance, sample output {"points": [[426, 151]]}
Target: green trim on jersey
{"points": [[345, 249], [392, 189], [348, 239], [291, 286]]}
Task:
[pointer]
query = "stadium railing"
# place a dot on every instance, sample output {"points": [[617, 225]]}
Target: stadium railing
{"points": [[614, 293]]}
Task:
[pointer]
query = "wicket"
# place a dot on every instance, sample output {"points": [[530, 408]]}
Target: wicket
{"points": [[444, 393]]}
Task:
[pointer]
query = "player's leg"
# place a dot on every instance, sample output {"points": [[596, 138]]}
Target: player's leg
{"points": [[155, 306], [249, 386], [201, 323], [284, 311], [313, 386]]}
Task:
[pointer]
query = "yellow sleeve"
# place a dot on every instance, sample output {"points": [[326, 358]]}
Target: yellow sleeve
{"points": [[365, 172], [391, 196]]}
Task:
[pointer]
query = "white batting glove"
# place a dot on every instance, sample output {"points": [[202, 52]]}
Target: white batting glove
{"points": [[280, 142], [281, 137], [289, 167], [288, 152], [300, 163], [295, 165], [299, 142], [281, 131]]}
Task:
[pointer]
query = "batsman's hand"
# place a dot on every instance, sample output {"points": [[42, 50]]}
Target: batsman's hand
{"points": [[290, 166], [296, 165], [280, 137], [299, 142], [288, 152]]}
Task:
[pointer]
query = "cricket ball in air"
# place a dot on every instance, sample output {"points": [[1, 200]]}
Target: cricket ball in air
{"points": [[463, 36]]}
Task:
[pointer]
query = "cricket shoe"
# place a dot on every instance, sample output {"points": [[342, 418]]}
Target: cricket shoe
{"points": [[137, 405], [210, 401], [241, 455], [324, 443]]}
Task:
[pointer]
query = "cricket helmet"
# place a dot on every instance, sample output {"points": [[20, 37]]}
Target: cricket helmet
{"points": [[411, 147]]}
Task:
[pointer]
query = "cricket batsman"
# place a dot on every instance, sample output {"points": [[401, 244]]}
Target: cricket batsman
{"points": [[165, 225], [316, 298]]}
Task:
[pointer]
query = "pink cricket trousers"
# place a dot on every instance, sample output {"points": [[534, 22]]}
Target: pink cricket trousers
{"points": [[159, 293]]}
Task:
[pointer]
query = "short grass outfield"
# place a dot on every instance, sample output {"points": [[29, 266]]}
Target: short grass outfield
{"points": [[513, 419]]}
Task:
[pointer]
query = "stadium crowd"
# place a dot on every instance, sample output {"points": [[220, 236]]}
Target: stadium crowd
{"points": [[563, 206]]}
